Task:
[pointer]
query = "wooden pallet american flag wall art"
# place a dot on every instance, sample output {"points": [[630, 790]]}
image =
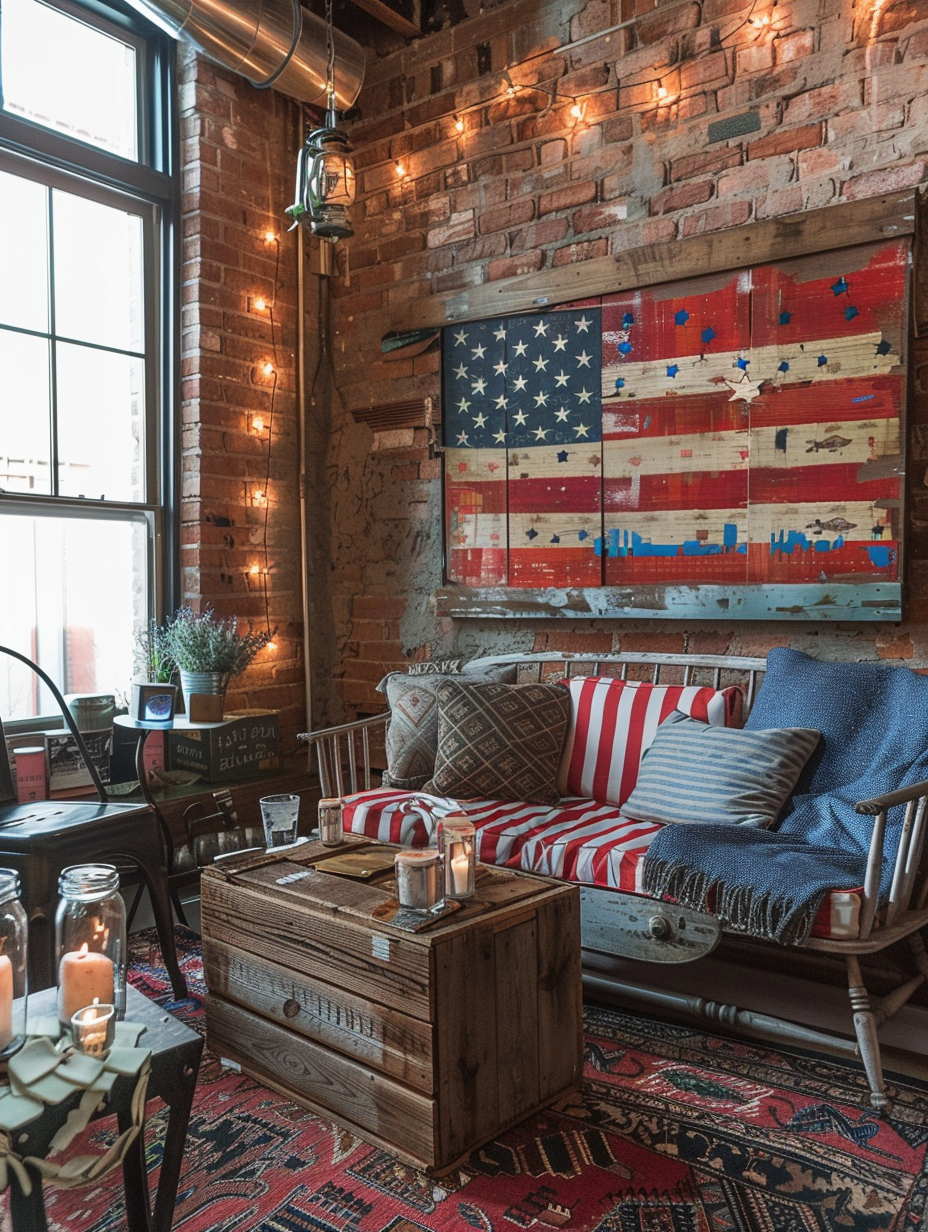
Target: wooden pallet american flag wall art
{"points": [[725, 446]]}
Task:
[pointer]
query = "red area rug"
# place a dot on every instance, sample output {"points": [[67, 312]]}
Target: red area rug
{"points": [[674, 1131]]}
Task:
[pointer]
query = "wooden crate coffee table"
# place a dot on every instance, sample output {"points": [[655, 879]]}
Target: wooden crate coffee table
{"points": [[426, 1043]]}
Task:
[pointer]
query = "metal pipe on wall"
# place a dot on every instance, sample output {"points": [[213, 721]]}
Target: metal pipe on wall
{"points": [[269, 42]]}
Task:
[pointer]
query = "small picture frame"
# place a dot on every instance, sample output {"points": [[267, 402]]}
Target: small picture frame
{"points": [[153, 703]]}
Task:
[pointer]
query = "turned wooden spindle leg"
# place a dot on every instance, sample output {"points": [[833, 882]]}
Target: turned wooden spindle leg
{"points": [[865, 1028]]}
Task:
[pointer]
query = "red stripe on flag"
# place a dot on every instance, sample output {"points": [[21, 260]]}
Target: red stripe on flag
{"points": [[701, 490], [572, 494], [558, 566], [731, 567], [477, 566], [836, 482], [857, 398], [671, 321], [679, 416]]}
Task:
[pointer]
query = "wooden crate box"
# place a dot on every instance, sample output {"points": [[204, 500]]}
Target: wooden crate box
{"points": [[426, 1043]]}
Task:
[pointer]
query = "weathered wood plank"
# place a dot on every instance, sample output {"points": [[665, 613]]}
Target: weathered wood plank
{"points": [[391, 967], [859, 601], [467, 1088], [394, 1043], [793, 235], [339, 1087], [621, 924], [389, 17], [560, 999], [517, 1029]]}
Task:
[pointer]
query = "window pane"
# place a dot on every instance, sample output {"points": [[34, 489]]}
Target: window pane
{"points": [[101, 405], [24, 456], [66, 76], [23, 253], [98, 272], [81, 591]]}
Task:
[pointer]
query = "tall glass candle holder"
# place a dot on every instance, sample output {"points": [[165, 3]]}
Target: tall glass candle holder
{"points": [[90, 939], [13, 988], [459, 847]]}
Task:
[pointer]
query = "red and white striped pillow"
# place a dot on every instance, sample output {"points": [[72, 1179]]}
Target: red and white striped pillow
{"points": [[613, 723]]}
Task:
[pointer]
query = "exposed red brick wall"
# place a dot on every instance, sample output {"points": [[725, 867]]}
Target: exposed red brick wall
{"points": [[238, 151], [840, 91]]}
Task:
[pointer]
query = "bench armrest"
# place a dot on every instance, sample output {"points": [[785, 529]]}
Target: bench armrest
{"points": [[880, 803], [343, 754], [907, 867]]}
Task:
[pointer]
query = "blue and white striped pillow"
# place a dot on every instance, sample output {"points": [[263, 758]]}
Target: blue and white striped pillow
{"points": [[694, 772]]}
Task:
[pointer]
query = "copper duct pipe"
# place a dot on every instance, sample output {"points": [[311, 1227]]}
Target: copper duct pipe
{"points": [[269, 42]]}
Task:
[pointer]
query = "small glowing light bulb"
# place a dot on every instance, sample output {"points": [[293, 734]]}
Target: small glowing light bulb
{"points": [[576, 111], [270, 237], [254, 570], [260, 303], [257, 424], [268, 369], [259, 495], [459, 123], [400, 169], [661, 91], [271, 645]]}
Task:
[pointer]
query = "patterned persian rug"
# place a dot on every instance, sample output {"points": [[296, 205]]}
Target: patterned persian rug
{"points": [[674, 1131]]}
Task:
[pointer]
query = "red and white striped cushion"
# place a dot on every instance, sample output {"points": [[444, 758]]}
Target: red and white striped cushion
{"points": [[577, 840], [613, 723]]}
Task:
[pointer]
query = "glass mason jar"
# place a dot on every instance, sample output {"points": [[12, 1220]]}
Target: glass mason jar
{"points": [[459, 849], [90, 940], [13, 936]]}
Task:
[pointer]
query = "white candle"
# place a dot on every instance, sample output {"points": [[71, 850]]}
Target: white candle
{"points": [[92, 1028], [83, 978], [6, 1001], [460, 867]]}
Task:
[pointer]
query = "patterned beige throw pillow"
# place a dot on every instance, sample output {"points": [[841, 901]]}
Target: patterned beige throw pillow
{"points": [[412, 734], [500, 741]]}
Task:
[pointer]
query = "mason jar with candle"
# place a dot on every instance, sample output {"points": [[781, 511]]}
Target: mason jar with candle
{"points": [[13, 937], [459, 846], [90, 939]]}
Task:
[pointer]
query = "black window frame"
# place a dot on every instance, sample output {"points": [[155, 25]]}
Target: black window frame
{"points": [[152, 182]]}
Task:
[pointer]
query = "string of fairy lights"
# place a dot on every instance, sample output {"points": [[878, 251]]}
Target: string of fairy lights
{"points": [[664, 94], [763, 22], [259, 571]]}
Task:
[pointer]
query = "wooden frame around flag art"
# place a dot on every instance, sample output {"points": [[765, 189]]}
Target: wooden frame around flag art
{"points": [[726, 446]]}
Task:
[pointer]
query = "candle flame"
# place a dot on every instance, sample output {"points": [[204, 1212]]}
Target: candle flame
{"points": [[83, 950]]}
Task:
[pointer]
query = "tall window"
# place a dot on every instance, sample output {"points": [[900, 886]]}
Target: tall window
{"points": [[86, 211]]}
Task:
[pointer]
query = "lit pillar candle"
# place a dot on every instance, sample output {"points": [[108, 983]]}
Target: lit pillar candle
{"points": [[460, 868], [82, 978], [6, 1001]]}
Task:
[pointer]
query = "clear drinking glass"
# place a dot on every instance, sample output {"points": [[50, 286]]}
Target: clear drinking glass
{"points": [[280, 815]]}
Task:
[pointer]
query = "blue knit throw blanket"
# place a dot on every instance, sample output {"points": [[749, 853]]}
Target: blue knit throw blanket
{"points": [[874, 723]]}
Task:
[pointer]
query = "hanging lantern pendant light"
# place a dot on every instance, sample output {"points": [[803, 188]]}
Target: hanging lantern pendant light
{"points": [[325, 183]]}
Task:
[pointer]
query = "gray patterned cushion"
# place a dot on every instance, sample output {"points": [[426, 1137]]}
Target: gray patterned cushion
{"points": [[500, 741], [412, 735]]}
